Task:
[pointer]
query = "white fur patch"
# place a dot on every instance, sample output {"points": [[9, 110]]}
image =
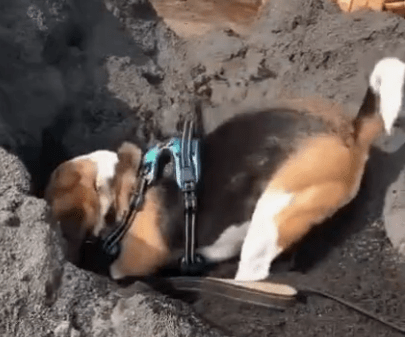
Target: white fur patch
{"points": [[228, 244], [115, 272], [387, 81], [260, 246], [106, 162]]}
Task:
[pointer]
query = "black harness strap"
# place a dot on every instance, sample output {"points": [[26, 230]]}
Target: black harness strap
{"points": [[190, 199], [191, 263], [111, 244]]}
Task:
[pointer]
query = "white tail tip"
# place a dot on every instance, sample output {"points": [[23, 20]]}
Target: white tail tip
{"points": [[387, 81]]}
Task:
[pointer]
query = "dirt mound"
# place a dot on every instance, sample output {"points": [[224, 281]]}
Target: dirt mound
{"points": [[78, 76]]}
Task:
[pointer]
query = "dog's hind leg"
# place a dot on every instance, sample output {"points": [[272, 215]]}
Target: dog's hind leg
{"points": [[282, 219], [261, 243]]}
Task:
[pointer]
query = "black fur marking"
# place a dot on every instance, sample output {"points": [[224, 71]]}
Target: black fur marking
{"points": [[238, 159]]}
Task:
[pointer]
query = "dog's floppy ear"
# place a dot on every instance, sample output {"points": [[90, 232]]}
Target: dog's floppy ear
{"points": [[129, 156], [125, 180]]}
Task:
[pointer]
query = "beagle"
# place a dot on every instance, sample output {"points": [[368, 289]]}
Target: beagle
{"points": [[268, 177]]}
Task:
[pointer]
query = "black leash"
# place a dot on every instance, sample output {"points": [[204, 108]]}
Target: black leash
{"points": [[111, 244], [266, 294], [99, 252], [369, 314]]}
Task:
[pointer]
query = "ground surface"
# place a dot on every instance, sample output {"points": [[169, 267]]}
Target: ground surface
{"points": [[76, 76]]}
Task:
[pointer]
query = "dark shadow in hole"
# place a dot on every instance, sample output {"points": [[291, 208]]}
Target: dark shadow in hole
{"points": [[153, 79], [53, 152], [78, 45]]}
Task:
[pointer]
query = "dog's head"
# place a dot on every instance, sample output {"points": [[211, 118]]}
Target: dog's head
{"points": [[126, 178], [79, 195]]}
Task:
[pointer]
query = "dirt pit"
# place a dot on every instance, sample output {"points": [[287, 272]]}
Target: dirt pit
{"points": [[77, 76]]}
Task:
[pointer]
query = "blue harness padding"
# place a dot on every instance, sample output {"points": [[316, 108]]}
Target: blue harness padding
{"points": [[187, 167]]}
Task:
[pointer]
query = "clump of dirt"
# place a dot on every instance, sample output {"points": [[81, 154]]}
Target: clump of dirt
{"points": [[84, 75]]}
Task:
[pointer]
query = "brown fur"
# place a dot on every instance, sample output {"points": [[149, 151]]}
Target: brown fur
{"points": [[144, 249], [74, 202], [124, 182], [323, 176]]}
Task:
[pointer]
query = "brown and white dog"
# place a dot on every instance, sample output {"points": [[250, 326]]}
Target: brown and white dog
{"points": [[268, 177], [79, 195]]}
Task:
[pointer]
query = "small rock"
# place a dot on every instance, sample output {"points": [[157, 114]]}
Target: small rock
{"points": [[9, 219], [74, 333], [63, 329]]}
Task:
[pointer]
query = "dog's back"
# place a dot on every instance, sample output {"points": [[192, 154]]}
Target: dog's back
{"points": [[238, 159]]}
